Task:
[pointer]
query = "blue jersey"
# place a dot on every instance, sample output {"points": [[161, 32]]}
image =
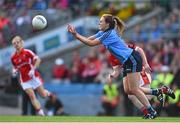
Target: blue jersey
{"points": [[115, 44]]}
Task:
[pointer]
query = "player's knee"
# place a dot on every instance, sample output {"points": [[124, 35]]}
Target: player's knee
{"points": [[44, 94], [127, 91], [131, 97], [149, 97]]}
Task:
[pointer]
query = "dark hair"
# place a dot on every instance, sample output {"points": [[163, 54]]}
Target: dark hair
{"points": [[114, 22]]}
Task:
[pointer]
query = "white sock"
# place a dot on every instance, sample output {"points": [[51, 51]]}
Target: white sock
{"points": [[40, 113]]}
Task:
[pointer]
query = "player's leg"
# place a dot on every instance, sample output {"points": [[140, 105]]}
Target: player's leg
{"points": [[34, 101], [147, 86], [159, 93], [146, 77], [43, 92], [133, 80], [156, 92], [133, 98], [149, 97], [39, 87], [126, 86], [133, 67], [139, 105]]}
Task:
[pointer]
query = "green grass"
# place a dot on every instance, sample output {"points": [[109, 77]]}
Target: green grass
{"points": [[83, 119]]}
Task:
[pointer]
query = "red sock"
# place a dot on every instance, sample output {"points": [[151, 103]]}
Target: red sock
{"points": [[37, 110], [144, 110]]}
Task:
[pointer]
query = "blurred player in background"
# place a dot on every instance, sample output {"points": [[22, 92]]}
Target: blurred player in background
{"points": [[111, 29], [110, 98], [54, 106], [144, 83], [26, 62]]}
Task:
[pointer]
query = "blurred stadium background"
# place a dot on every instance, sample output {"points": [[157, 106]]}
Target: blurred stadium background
{"points": [[75, 72]]}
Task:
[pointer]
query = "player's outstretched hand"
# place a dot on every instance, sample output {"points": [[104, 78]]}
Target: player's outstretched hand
{"points": [[71, 29]]}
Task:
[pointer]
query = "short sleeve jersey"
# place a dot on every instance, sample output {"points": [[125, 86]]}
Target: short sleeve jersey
{"points": [[115, 44], [23, 62]]}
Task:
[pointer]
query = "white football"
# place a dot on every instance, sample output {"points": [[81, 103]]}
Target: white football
{"points": [[39, 22]]}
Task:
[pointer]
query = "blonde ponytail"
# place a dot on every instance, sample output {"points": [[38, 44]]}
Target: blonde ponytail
{"points": [[115, 22], [120, 25]]}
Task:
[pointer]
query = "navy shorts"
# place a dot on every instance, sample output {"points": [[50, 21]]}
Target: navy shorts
{"points": [[132, 64]]}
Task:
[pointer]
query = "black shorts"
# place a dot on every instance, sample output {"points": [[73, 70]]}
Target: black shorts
{"points": [[132, 64]]}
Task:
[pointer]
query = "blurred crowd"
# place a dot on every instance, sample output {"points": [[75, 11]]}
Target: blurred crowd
{"points": [[167, 27], [16, 15]]}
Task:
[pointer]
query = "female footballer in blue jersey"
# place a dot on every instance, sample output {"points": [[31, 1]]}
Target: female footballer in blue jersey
{"points": [[111, 29]]}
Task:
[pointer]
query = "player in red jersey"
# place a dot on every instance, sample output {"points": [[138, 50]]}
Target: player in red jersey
{"points": [[25, 62], [144, 83]]}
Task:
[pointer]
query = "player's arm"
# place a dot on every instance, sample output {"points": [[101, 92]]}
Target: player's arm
{"points": [[87, 41], [92, 37], [14, 69], [140, 50], [116, 71], [90, 41], [145, 63], [114, 74], [37, 62]]}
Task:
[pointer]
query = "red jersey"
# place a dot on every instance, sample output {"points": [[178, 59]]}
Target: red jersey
{"points": [[114, 62], [24, 62]]}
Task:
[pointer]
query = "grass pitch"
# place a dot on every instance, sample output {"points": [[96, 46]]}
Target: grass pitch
{"points": [[84, 119]]}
